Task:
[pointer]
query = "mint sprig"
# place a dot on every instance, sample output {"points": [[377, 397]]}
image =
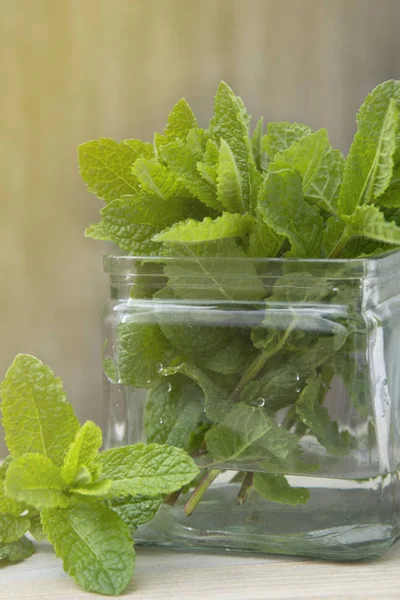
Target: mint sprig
{"points": [[56, 484], [206, 195]]}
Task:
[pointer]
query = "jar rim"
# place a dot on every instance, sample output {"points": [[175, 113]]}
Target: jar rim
{"points": [[370, 265]]}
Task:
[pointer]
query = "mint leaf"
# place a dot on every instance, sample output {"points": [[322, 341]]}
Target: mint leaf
{"points": [[320, 166], [94, 544], [101, 487], [105, 166], [229, 123], [16, 551], [141, 348], [34, 479], [36, 529], [216, 397], [247, 432], [156, 180], [281, 136], [391, 198], [180, 121], [8, 505], [82, 451], [147, 470], [207, 277], [370, 222], [208, 166], [263, 242], [229, 187], [12, 528], [316, 417], [36, 417], [369, 165], [256, 144], [135, 511], [279, 387], [226, 226], [174, 411], [182, 159], [110, 370], [277, 489], [119, 224], [333, 232], [283, 208]]}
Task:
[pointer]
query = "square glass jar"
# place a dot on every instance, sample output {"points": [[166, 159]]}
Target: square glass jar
{"points": [[281, 378]]}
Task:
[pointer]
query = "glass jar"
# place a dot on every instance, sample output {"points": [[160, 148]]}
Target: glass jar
{"points": [[281, 378]]}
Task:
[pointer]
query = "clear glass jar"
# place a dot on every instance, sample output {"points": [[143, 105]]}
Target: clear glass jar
{"points": [[281, 377]]}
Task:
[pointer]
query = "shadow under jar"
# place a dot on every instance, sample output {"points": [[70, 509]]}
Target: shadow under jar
{"points": [[281, 378]]}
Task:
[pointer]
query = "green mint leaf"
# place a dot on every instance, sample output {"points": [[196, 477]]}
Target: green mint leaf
{"points": [[35, 479], [208, 166], [110, 370], [82, 451], [147, 470], [182, 159], [331, 236], [105, 166], [369, 164], [281, 136], [12, 528], [277, 489], [180, 121], [207, 277], [229, 123], [316, 417], [135, 511], [351, 366], [36, 417], [247, 432], [215, 395], [194, 334], [228, 225], [16, 551], [229, 187], [279, 387], [8, 505], [391, 198], [256, 144], [101, 487], [94, 545], [36, 528], [369, 221], [284, 209], [320, 166], [119, 224], [262, 241], [141, 348], [174, 410], [156, 180]]}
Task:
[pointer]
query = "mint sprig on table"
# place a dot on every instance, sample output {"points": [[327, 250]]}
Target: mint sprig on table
{"points": [[229, 192], [56, 485]]}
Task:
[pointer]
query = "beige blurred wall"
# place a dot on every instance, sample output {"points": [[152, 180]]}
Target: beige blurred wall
{"points": [[73, 70]]}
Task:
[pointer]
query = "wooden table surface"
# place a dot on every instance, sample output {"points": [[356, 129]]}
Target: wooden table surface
{"points": [[162, 575]]}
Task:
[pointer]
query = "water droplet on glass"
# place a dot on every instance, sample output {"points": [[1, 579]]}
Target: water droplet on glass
{"points": [[384, 382], [160, 367], [169, 387], [298, 390], [260, 402], [297, 377], [335, 289], [160, 421]]}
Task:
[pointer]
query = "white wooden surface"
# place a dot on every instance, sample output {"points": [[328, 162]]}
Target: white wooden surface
{"points": [[163, 575]]}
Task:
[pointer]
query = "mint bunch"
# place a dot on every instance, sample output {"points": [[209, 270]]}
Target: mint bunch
{"points": [[58, 486], [224, 193]]}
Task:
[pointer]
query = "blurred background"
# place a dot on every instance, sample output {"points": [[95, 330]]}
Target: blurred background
{"points": [[74, 70]]}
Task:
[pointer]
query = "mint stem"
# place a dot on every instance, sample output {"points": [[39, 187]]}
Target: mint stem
{"points": [[200, 490], [341, 244], [245, 488]]}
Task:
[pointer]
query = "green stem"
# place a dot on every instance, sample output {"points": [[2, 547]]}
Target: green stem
{"points": [[341, 244], [245, 488], [258, 364], [200, 490]]}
